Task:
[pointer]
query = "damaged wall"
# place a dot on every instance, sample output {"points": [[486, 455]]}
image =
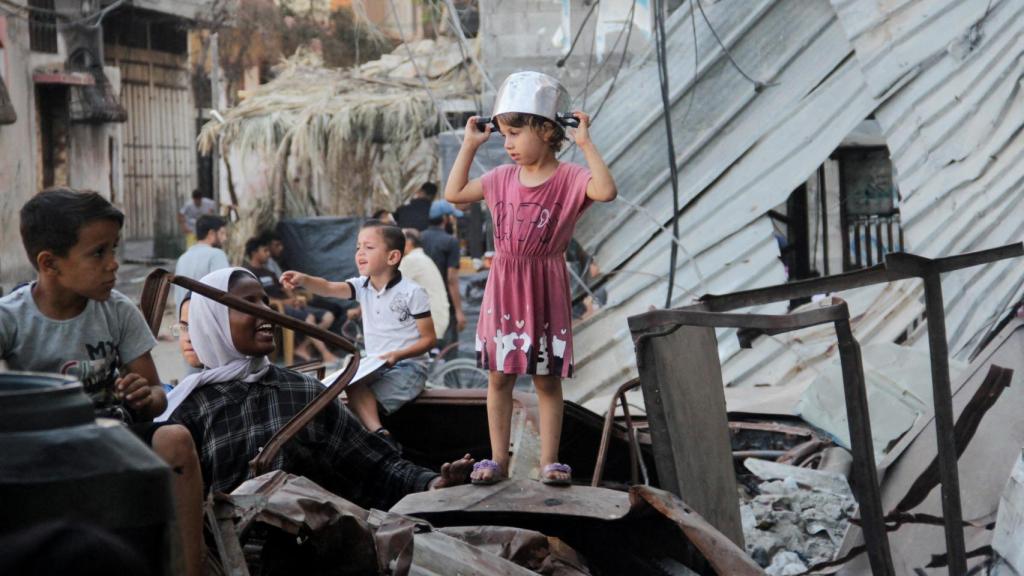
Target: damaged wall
{"points": [[17, 168], [83, 162]]}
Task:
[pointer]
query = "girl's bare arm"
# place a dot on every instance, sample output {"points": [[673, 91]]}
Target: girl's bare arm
{"points": [[460, 189], [601, 187]]}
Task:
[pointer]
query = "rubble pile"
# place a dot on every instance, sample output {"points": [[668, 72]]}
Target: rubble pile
{"points": [[796, 520]]}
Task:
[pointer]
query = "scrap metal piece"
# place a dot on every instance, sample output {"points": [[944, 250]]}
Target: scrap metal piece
{"points": [[898, 266], [682, 382], [641, 531]]}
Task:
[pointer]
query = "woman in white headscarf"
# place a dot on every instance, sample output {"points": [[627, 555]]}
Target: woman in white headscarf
{"points": [[234, 406]]}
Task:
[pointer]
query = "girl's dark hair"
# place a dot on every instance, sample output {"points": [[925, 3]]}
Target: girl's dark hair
{"points": [[51, 219], [549, 131]]}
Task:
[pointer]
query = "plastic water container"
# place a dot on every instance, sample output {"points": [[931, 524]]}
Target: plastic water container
{"points": [[57, 462]]}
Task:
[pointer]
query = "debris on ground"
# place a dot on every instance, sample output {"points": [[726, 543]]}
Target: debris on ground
{"points": [[799, 517]]}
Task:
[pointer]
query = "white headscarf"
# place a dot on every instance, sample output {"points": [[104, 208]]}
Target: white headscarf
{"points": [[210, 331]]}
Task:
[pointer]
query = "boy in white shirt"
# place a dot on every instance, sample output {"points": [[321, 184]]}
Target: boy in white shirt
{"points": [[397, 326]]}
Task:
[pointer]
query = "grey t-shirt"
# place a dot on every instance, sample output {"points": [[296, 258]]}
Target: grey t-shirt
{"points": [[196, 262], [191, 212], [106, 335]]}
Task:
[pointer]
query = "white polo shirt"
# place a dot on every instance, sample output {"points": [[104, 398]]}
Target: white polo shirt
{"points": [[389, 315]]}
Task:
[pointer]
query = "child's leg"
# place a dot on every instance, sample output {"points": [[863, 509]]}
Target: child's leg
{"points": [[549, 404], [174, 445], [363, 404], [499, 421], [325, 354]]}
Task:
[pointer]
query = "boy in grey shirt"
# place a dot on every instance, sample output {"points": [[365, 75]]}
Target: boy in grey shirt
{"points": [[72, 321]]}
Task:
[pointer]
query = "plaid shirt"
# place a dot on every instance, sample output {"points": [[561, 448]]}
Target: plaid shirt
{"points": [[231, 421]]}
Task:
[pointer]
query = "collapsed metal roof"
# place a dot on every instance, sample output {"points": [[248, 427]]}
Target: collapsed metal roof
{"points": [[942, 83]]}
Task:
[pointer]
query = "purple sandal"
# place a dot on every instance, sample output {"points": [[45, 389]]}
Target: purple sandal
{"points": [[491, 465], [547, 474]]}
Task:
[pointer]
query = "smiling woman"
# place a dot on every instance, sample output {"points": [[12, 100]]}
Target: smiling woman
{"points": [[250, 335]]}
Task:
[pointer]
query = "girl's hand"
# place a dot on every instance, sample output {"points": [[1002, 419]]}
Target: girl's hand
{"points": [[473, 134], [292, 279], [582, 134]]}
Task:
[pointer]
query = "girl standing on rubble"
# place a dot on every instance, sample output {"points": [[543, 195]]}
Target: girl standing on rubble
{"points": [[526, 318]]}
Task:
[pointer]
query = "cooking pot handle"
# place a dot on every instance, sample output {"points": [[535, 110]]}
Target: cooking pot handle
{"points": [[483, 121], [567, 119]]}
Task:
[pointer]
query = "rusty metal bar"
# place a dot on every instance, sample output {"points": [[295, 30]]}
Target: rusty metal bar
{"points": [[669, 388], [864, 474], [891, 270], [942, 394], [898, 266], [609, 425]]}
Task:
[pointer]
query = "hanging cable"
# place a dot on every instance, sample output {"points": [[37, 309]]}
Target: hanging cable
{"points": [[659, 45], [461, 35], [622, 60], [626, 31], [579, 32], [758, 85], [425, 82]]}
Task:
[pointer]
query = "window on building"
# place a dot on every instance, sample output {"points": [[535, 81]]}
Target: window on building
{"points": [[42, 26], [869, 206]]}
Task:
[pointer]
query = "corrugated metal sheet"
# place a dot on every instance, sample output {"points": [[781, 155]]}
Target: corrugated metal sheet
{"points": [[740, 153], [941, 77], [948, 74]]}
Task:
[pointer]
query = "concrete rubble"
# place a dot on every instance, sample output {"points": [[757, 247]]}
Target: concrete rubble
{"points": [[798, 519]]}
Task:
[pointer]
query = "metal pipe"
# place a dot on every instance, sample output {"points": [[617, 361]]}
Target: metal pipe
{"points": [[609, 424], [942, 395]]}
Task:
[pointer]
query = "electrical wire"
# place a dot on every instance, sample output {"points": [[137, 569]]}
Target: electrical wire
{"points": [[461, 34], [660, 42], [561, 61], [425, 82], [624, 32], [758, 85]]}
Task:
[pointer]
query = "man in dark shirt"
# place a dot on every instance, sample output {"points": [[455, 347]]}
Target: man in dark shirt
{"points": [[257, 252], [416, 213], [443, 249]]}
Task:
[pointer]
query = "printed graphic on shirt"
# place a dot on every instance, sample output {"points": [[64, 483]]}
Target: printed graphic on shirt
{"points": [[523, 221], [400, 306], [98, 375]]}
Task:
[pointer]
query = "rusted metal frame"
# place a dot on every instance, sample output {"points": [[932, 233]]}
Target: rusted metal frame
{"points": [[606, 433], [694, 316], [942, 399], [154, 298], [942, 396], [262, 462], [865, 479], [899, 266], [864, 475], [895, 267]]}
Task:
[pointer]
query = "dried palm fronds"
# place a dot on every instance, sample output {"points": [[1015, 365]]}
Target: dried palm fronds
{"points": [[343, 142]]}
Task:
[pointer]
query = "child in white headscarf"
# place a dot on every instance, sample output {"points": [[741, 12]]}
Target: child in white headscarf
{"points": [[240, 400]]}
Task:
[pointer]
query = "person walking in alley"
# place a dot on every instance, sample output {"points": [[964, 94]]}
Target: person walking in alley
{"points": [[443, 249], [190, 212], [206, 256], [525, 322]]}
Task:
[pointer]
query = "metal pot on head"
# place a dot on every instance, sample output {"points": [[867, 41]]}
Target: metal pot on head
{"points": [[531, 93]]}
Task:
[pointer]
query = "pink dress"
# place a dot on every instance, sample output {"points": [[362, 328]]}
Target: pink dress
{"points": [[526, 317]]}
